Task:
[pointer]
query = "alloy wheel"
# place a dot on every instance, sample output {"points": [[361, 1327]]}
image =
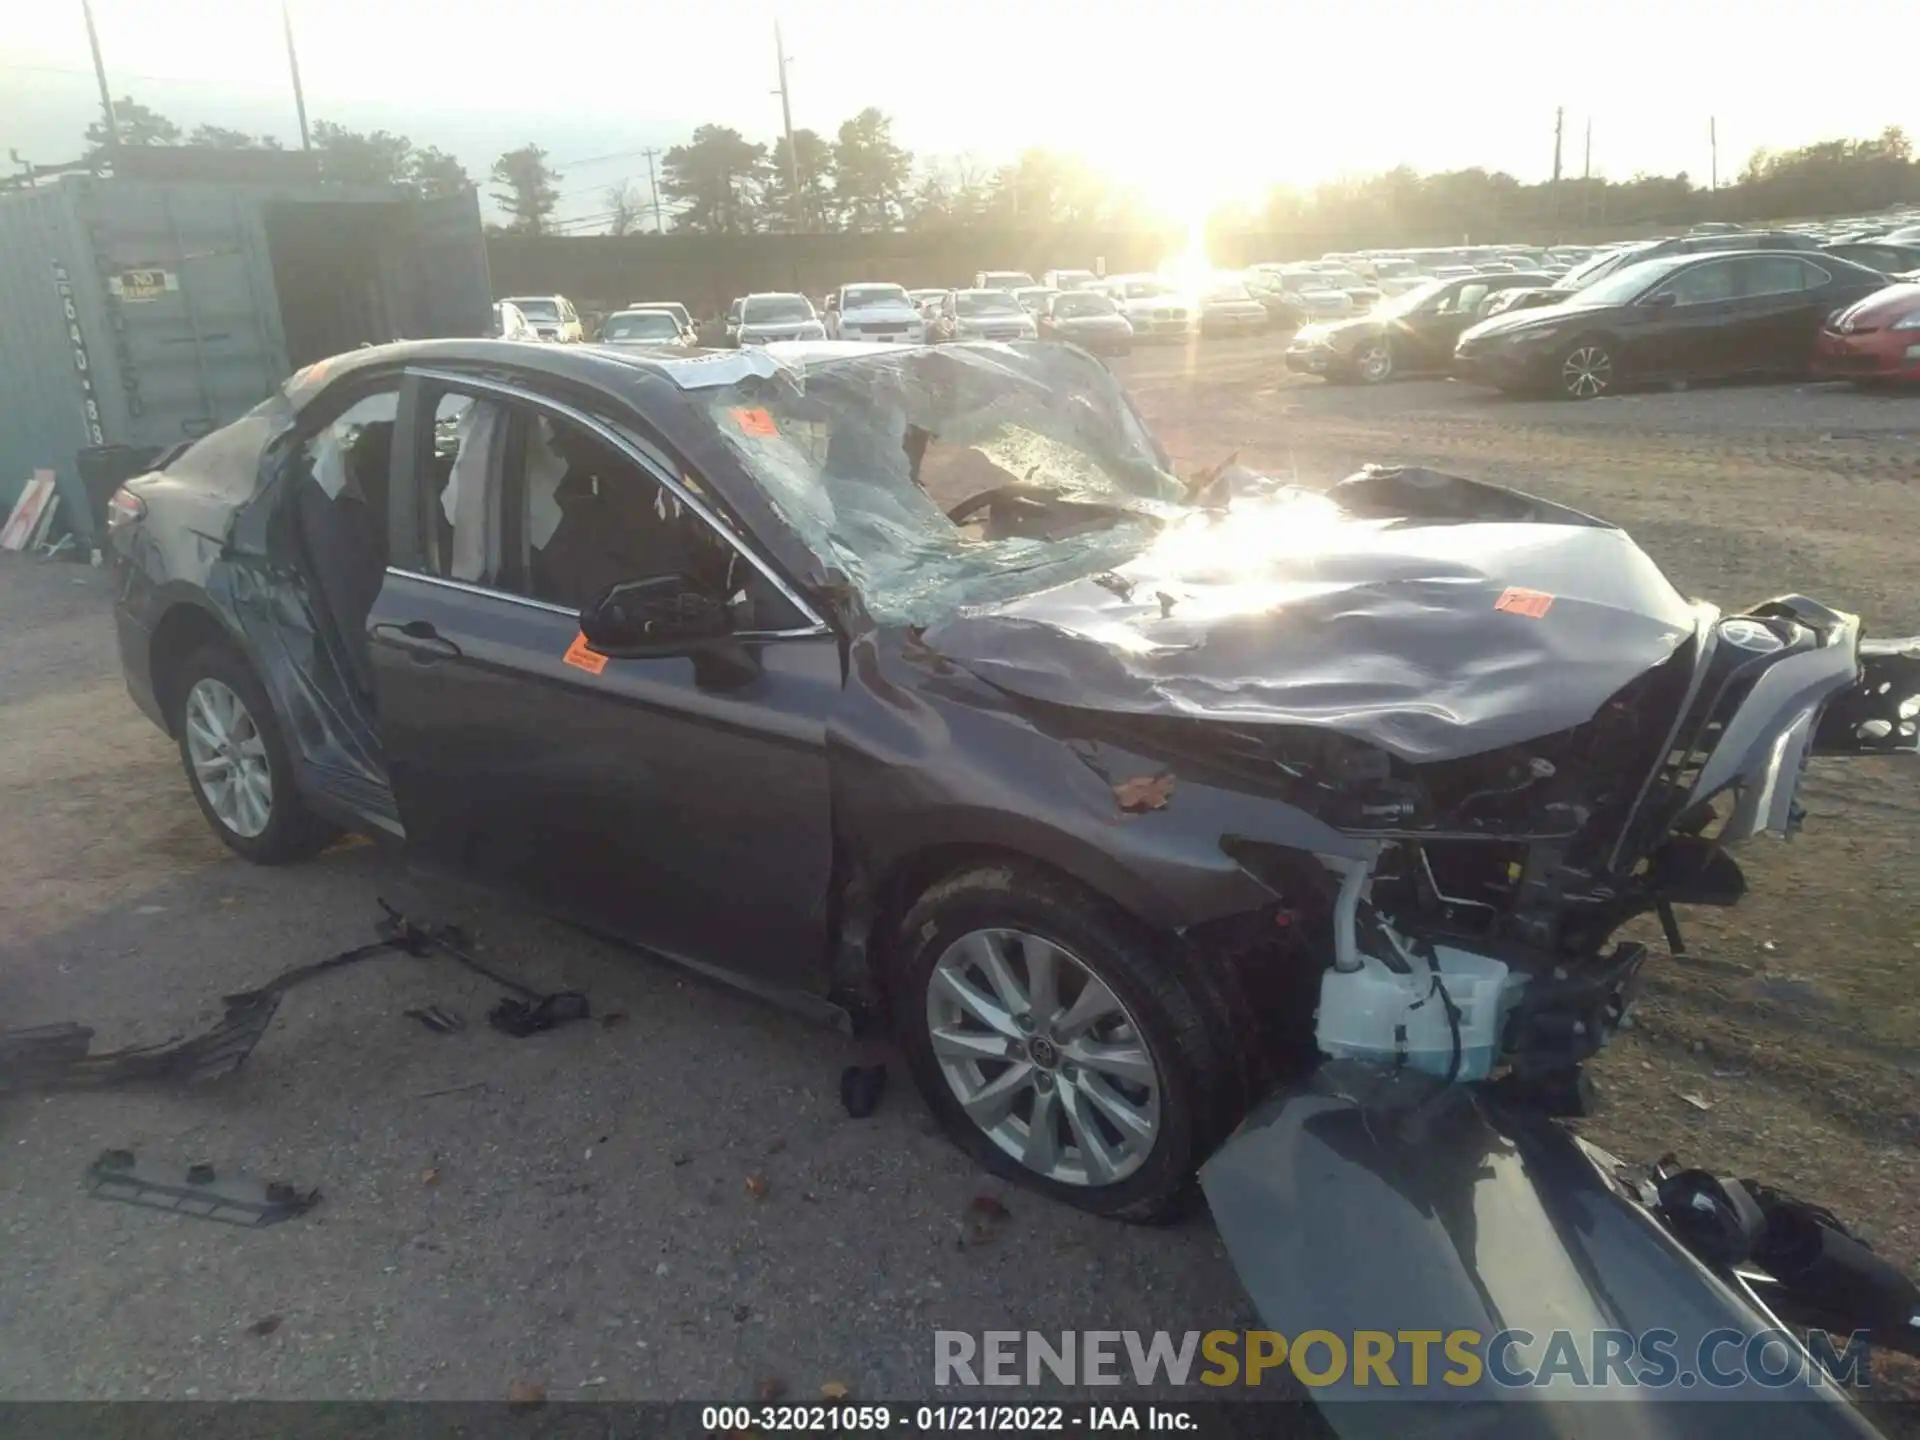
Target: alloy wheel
{"points": [[1043, 1057], [229, 758], [1375, 363], [1586, 372]]}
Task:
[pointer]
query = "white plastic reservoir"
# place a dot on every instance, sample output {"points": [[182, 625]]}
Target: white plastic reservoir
{"points": [[1379, 1015]]}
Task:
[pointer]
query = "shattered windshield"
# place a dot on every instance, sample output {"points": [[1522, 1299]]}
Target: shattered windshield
{"points": [[869, 460]]}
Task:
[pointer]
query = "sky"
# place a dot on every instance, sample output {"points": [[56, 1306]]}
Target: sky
{"points": [[1211, 100]]}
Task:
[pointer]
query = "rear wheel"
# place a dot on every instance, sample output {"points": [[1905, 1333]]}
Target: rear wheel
{"points": [[1056, 1043], [1586, 369], [237, 762]]}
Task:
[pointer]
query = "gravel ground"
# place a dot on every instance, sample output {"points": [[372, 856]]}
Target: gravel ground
{"points": [[574, 1209]]}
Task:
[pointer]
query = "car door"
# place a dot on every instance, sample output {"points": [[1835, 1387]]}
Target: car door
{"points": [[1782, 300], [1439, 327], [1684, 326], [670, 800]]}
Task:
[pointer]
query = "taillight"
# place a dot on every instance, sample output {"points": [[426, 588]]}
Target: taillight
{"points": [[124, 508]]}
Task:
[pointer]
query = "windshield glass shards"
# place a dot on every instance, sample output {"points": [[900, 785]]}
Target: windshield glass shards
{"points": [[880, 465]]}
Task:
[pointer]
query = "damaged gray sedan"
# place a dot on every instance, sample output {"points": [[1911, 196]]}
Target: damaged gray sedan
{"points": [[916, 682]]}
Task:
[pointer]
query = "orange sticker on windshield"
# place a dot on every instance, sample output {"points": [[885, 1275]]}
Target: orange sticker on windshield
{"points": [[578, 655], [1530, 603], [755, 422]]}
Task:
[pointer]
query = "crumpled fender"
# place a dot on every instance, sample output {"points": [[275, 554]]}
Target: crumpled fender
{"points": [[1367, 1199]]}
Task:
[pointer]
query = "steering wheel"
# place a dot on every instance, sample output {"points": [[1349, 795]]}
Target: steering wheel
{"points": [[974, 504]]}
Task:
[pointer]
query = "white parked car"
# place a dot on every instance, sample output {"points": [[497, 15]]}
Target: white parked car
{"points": [[983, 315], [764, 318], [649, 329], [510, 324], [674, 308], [552, 317], [1315, 290], [1155, 309], [881, 314], [1227, 307]]}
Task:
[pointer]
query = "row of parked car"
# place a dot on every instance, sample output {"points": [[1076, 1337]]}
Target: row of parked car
{"points": [[1706, 305]]}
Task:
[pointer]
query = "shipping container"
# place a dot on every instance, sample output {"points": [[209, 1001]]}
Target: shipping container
{"points": [[143, 311]]}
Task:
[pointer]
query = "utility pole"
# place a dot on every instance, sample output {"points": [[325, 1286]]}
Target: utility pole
{"points": [[1553, 203], [786, 121], [1713, 144], [293, 67], [1586, 176], [653, 189], [100, 74]]}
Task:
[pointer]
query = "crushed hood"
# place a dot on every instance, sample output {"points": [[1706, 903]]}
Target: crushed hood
{"points": [[1433, 616]]}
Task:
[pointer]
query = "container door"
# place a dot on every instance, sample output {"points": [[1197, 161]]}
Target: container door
{"points": [[453, 294], [191, 323]]}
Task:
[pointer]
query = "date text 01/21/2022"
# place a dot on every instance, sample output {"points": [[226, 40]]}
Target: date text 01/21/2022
{"points": [[920, 1419]]}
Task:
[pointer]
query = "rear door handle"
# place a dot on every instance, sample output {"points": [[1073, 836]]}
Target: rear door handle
{"points": [[419, 639]]}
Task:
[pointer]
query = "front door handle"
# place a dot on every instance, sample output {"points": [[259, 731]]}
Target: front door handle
{"points": [[419, 639]]}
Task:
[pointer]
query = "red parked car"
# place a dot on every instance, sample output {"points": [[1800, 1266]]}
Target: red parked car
{"points": [[1877, 338]]}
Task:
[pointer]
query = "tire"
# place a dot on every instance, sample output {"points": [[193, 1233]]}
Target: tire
{"points": [[1373, 362], [1585, 370], [210, 684], [1159, 1057]]}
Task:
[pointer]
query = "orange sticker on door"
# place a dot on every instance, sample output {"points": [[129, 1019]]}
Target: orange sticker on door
{"points": [[578, 655], [755, 422], [1530, 603]]}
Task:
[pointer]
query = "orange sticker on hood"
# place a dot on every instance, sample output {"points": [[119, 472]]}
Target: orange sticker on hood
{"points": [[579, 656], [755, 422], [1530, 603]]}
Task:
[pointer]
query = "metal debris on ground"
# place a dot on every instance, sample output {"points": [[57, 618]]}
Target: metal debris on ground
{"points": [[441, 1022], [195, 1190]]}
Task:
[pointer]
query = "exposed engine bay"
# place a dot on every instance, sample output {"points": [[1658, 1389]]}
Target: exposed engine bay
{"points": [[1481, 932]]}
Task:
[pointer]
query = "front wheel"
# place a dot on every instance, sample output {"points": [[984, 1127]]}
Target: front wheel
{"points": [[237, 762], [1056, 1041], [1373, 363], [1586, 370]]}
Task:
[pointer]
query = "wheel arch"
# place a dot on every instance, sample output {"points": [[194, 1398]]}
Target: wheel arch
{"points": [[185, 627]]}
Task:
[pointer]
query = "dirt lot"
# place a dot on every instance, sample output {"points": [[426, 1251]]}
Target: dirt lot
{"points": [[574, 1209]]}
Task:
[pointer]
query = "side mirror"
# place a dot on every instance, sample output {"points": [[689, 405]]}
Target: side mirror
{"points": [[1659, 300], [667, 614]]}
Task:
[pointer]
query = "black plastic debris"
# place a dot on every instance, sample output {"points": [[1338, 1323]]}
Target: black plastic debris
{"points": [[195, 1190], [57, 1057], [521, 1018], [861, 1087]]}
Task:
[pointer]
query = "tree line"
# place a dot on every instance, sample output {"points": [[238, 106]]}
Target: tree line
{"points": [[719, 182]]}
